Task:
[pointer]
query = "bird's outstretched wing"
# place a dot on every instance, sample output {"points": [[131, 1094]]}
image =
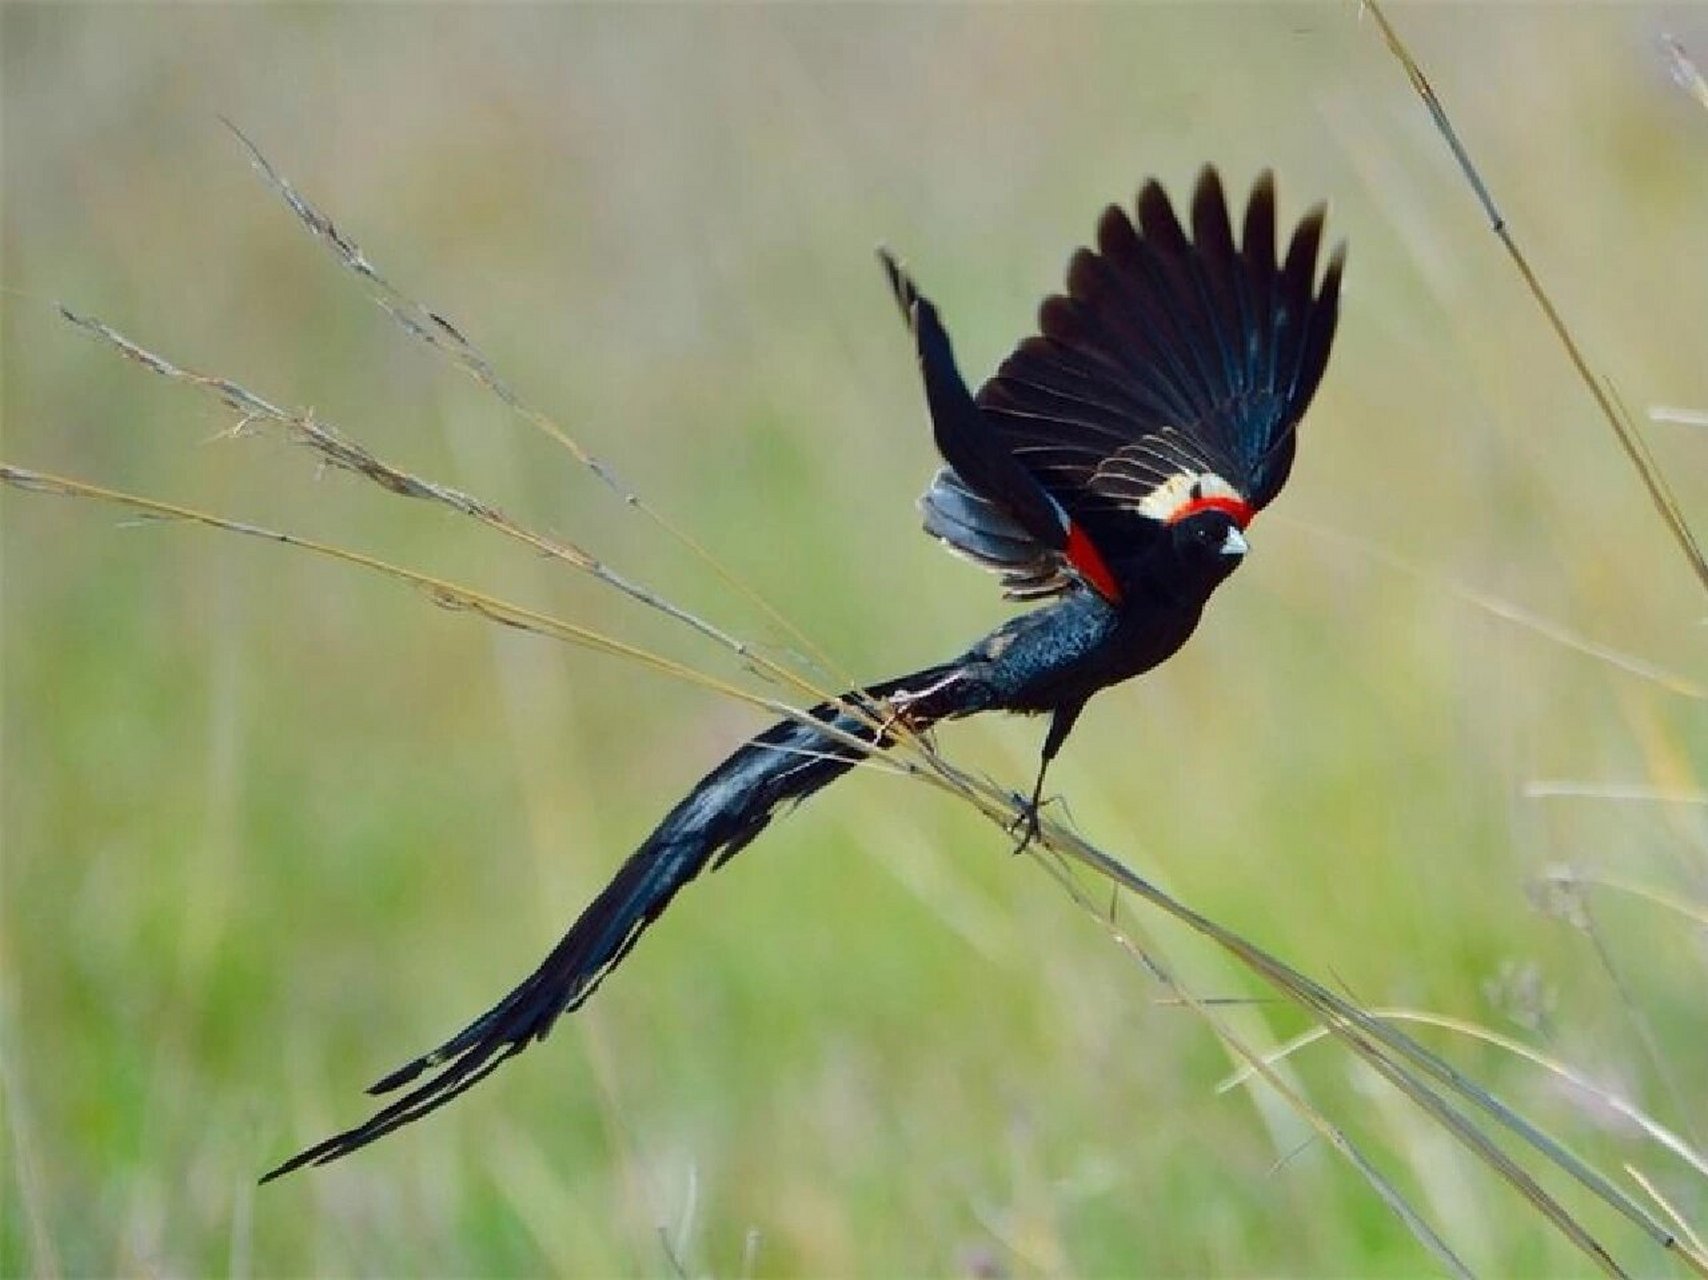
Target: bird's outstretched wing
{"points": [[1170, 376], [985, 503]]}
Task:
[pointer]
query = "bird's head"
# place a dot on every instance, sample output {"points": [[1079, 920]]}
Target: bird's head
{"points": [[1206, 519], [1208, 545]]}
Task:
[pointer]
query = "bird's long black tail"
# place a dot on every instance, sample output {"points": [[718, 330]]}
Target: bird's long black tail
{"points": [[732, 804]]}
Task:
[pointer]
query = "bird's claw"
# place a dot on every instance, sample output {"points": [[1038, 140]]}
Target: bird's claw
{"points": [[1025, 824]]}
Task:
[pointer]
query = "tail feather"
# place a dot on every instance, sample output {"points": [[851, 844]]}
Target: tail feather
{"points": [[731, 805]]}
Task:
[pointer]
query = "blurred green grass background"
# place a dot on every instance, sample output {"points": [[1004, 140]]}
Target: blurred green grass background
{"points": [[271, 826]]}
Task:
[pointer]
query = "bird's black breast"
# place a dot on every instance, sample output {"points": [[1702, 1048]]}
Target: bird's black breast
{"points": [[1067, 651]]}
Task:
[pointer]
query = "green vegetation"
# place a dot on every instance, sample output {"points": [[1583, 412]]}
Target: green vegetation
{"points": [[271, 825]]}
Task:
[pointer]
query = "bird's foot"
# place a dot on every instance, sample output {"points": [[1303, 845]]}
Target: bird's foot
{"points": [[1025, 824]]}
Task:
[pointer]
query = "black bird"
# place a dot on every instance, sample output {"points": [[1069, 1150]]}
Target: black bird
{"points": [[1113, 463]]}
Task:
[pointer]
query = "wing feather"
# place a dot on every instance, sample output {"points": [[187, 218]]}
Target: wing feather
{"points": [[1175, 351], [1206, 350]]}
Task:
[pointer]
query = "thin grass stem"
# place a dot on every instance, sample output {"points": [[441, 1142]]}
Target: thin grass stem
{"points": [[1606, 399]]}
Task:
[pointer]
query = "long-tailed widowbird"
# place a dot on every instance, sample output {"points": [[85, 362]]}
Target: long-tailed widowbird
{"points": [[1112, 464]]}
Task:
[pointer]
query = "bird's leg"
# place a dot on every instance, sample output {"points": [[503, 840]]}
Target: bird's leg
{"points": [[1026, 825], [1061, 723]]}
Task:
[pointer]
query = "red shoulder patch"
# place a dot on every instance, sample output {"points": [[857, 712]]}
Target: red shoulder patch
{"points": [[1083, 555]]}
